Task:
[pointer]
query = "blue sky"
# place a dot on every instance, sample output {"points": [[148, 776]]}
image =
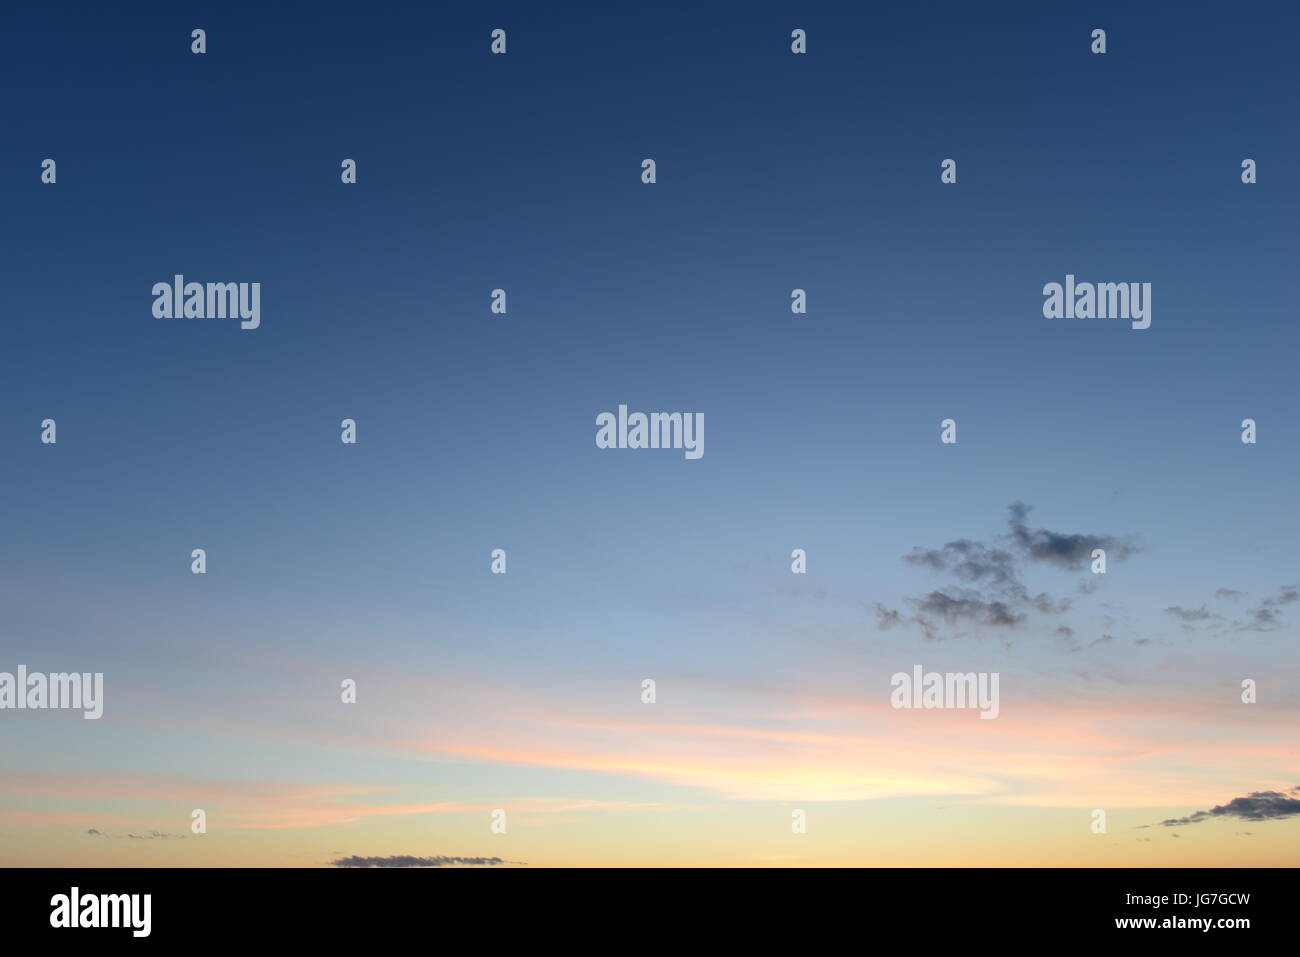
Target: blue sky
{"points": [[775, 171]]}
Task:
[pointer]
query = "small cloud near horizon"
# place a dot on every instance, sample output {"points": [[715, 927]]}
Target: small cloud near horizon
{"points": [[408, 860], [1256, 806]]}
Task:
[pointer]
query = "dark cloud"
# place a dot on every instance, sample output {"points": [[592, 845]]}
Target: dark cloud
{"points": [[968, 561], [1257, 806], [406, 860], [1072, 552], [1231, 594], [987, 590], [967, 607]]}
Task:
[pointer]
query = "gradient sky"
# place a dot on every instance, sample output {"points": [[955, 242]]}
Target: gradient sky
{"points": [[476, 431]]}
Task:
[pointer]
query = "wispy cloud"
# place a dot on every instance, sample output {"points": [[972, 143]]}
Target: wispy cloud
{"points": [[1265, 615], [262, 805], [150, 836], [1191, 614]]}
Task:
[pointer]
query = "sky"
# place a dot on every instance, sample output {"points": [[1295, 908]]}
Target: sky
{"points": [[522, 692]]}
